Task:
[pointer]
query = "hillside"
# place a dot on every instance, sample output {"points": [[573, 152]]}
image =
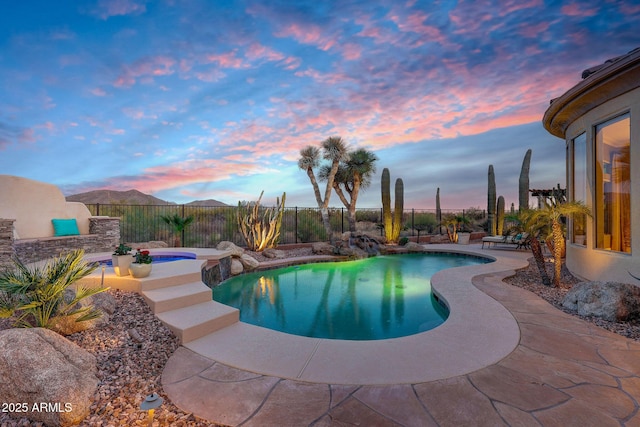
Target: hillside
{"points": [[208, 202], [130, 197]]}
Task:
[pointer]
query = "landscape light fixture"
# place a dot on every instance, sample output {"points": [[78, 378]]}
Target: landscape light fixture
{"points": [[102, 279], [150, 404]]}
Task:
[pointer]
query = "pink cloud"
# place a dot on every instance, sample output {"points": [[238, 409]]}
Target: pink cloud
{"points": [[575, 9], [225, 60], [210, 75], [159, 178], [415, 23], [307, 34], [145, 69], [258, 51], [108, 8], [27, 136], [98, 92], [533, 31], [351, 51], [137, 114]]}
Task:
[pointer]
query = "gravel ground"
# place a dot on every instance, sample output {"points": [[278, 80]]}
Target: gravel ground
{"points": [[528, 278], [134, 348]]}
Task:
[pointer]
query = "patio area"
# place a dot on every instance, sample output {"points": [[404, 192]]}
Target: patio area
{"points": [[560, 370]]}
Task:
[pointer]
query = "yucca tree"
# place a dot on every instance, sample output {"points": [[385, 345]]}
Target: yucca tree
{"points": [[334, 149], [36, 294], [552, 213], [525, 221], [353, 175], [178, 224]]}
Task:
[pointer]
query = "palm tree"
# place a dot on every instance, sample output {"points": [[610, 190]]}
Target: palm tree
{"points": [[526, 222], [179, 224], [353, 175], [37, 295], [552, 214], [334, 149]]}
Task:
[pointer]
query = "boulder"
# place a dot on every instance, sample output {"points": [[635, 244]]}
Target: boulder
{"points": [[414, 247], [322, 248], [38, 366], [249, 262], [608, 300], [236, 267], [274, 253], [235, 250], [354, 252]]}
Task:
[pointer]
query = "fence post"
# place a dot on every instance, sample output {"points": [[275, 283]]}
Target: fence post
{"points": [[295, 227], [97, 209], [182, 236], [341, 220]]}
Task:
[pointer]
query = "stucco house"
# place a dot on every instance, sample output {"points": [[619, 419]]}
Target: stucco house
{"points": [[599, 118]]}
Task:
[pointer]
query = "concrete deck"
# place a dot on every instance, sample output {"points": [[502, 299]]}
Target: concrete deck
{"points": [[504, 357]]}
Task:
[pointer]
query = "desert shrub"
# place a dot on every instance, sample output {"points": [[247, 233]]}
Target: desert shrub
{"points": [[403, 241], [425, 222], [369, 215], [310, 228]]}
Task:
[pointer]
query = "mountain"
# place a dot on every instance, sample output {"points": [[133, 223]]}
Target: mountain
{"points": [[208, 202], [131, 197]]}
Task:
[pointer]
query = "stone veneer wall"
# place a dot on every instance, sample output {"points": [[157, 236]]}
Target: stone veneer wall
{"points": [[218, 272], [6, 241], [104, 236]]}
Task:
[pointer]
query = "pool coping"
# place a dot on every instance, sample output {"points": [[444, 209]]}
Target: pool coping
{"points": [[479, 332]]}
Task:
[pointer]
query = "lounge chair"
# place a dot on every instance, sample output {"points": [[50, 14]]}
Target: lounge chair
{"points": [[520, 240]]}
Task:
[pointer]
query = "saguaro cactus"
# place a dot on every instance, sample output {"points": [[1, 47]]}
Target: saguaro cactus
{"points": [[392, 222], [500, 216], [398, 210], [491, 201], [387, 219], [523, 189], [438, 210], [261, 228]]}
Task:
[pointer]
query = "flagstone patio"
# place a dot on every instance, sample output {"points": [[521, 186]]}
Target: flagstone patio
{"points": [[563, 372]]}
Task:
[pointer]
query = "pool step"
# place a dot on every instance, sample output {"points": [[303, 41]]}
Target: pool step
{"points": [[195, 321], [175, 297], [171, 274]]}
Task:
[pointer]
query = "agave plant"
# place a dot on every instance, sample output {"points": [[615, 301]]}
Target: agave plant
{"points": [[36, 294]]}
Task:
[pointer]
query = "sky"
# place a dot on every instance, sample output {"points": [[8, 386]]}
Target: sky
{"points": [[206, 99]]}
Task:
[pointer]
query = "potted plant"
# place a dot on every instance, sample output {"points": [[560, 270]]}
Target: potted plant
{"points": [[141, 265], [121, 259]]}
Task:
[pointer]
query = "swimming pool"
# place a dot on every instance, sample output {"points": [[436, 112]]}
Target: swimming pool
{"points": [[370, 299], [157, 258]]}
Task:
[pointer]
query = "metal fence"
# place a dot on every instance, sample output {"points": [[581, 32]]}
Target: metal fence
{"points": [[212, 224]]}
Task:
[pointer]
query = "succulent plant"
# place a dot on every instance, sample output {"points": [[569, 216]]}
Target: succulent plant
{"points": [[392, 222], [500, 216], [491, 202], [523, 189]]}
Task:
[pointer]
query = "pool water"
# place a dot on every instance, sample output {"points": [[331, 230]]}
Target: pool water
{"points": [[370, 299], [158, 259]]}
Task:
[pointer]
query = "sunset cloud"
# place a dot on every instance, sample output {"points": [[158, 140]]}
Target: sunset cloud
{"points": [[188, 99]]}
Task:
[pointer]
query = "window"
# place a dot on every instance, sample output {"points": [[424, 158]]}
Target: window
{"points": [[613, 185], [579, 187]]}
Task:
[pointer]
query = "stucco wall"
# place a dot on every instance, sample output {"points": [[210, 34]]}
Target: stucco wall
{"points": [[34, 204], [598, 264]]}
